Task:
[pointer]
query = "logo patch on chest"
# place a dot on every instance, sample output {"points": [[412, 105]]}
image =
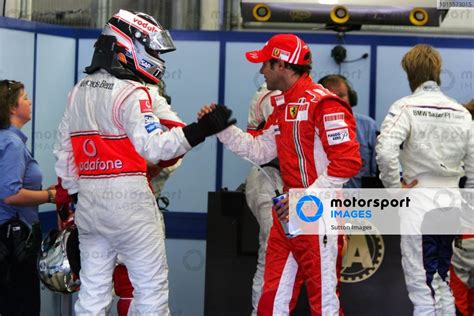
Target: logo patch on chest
{"points": [[293, 110], [296, 112]]}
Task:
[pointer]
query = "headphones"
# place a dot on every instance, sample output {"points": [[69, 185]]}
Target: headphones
{"points": [[351, 93]]}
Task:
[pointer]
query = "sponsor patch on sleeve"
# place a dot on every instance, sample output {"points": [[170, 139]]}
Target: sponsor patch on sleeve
{"points": [[150, 119], [152, 127], [145, 106], [280, 99], [338, 136], [333, 121]]}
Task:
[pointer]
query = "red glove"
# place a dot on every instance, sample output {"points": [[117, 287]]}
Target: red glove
{"points": [[65, 206]]}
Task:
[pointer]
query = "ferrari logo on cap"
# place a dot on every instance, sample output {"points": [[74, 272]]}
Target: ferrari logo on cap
{"points": [[276, 53], [280, 54]]}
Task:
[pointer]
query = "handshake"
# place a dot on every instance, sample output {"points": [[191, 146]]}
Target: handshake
{"points": [[211, 120]]}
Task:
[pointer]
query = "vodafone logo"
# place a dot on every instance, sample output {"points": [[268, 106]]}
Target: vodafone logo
{"points": [[145, 25], [89, 148], [96, 164], [145, 106]]}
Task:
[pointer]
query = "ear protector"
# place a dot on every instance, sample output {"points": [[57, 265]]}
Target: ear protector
{"points": [[351, 93]]}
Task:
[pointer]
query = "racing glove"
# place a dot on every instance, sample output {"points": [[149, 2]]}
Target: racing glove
{"points": [[65, 205], [210, 124]]}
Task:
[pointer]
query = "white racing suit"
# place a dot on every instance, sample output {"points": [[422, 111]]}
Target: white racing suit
{"points": [[168, 120], [259, 191], [107, 135], [435, 135], [157, 176]]}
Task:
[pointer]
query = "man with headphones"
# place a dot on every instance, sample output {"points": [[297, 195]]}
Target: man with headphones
{"points": [[366, 128]]}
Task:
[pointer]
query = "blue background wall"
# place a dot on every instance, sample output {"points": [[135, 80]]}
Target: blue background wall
{"points": [[207, 67]]}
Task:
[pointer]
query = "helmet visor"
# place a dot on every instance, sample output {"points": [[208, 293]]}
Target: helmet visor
{"points": [[160, 41]]}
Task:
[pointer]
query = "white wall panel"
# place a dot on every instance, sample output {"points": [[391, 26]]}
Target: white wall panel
{"points": [[192, 80], [54, 80], [17, 63]]}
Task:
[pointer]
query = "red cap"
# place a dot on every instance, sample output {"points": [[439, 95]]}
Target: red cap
{"points": [[287, 47]]}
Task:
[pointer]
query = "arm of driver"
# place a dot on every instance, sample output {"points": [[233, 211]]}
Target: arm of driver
{"points": [[65, 166], [260, 149], [143, 130], [343, 155]]}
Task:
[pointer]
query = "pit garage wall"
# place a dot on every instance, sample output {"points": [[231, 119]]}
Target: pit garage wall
{"points": [[207, 67]]}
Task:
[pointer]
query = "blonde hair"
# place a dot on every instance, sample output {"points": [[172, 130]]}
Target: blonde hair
{"points": [[422, 63], [470, 107]]}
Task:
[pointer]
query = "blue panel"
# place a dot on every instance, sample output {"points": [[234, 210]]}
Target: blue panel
{"points": [[222, 81], [192, 80], [48, 220], [352, 38], [16, 63], [373, 81], [44, 28], [457, 79], [54, 80], [183, 225], [392, 83], [85, 52], [242, 80]]}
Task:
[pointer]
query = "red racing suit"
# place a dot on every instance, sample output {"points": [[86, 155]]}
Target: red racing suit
{"points": [[313, 134]]}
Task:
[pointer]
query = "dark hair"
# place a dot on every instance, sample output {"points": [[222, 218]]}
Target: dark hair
{"points": [[298, 69], [9, 93]]}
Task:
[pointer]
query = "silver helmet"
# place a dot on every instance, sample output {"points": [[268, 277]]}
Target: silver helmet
{"points": [[144, 40], [54, 266]]}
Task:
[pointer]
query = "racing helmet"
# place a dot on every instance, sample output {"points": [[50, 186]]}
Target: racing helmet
{"points": [[143, 39], [55, 260]]}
